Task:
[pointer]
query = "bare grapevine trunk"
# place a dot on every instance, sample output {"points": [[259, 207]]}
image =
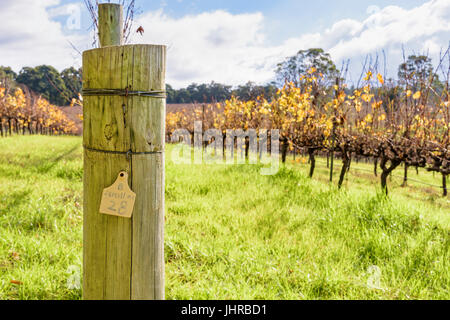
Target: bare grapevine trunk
{"points": [[224, 146], [375, 167], [405, 176], [284, 149], [387, 171], [331, 163], [247, 147], [312, 160], [345, 167], [444, 184]]}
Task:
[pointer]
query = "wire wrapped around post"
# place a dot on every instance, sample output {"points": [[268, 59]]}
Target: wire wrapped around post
{"points": [[123, 93]]}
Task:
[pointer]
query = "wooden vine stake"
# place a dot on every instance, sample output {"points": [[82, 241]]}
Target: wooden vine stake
{"points": [[123, 258]]}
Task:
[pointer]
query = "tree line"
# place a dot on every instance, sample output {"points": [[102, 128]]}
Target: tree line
{"points": [[216, 92], [59, 88]]}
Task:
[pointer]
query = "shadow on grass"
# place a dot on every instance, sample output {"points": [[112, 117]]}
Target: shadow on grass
{"points": [[41, 166], [14, 200]]}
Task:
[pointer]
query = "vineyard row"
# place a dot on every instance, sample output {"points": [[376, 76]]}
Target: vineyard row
{"points": [[391, 125], [21, 111]]}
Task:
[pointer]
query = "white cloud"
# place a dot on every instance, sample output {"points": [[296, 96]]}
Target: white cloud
{"points": [[225, 47], [396, 26], [210, 46], [28, 36], [424, 29], [232, 49]]}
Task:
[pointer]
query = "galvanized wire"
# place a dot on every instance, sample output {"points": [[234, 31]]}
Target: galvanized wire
{"points": [[124, 92], [128, 153]]}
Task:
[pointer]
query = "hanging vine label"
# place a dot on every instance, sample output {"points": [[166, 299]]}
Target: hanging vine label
{"points": [[118, 199]]}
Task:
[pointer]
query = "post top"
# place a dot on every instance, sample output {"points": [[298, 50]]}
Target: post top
{"points": [[109, 4], [110, 24], [124, 47]]}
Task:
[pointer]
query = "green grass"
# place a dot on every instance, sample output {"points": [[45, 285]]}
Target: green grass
{"points": [[230, 232]]}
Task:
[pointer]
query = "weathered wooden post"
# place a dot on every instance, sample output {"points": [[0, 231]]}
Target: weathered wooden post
{"points": [[124, 126]]}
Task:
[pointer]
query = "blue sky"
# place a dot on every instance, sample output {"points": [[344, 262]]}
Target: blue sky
{"points": [[232, 41], [285, 18]]}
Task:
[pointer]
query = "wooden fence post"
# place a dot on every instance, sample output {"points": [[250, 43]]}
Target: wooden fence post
{"points": [[124, 126]]}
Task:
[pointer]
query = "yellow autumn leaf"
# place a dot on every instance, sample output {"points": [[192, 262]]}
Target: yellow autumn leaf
{"points": [[417, 95], [380, 79], [368, 118], [408, 93], [312, 70], [368, 76], [376, 104], [367, 97]]}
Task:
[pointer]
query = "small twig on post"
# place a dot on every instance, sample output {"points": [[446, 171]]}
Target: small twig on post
{"points": [[126, 24]]}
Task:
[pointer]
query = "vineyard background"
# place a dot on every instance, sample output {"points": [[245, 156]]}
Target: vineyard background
{"points": [[387, 122], [358, 209]]}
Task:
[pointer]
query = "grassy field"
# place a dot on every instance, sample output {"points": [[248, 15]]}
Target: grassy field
{"points": [[230, 232]]}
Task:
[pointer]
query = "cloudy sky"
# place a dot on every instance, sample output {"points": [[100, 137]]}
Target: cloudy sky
{"points": [[232, 41]]}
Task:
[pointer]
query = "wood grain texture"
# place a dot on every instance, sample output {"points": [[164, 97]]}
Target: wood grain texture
{"points": [[124, 258], [110, 21]]}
